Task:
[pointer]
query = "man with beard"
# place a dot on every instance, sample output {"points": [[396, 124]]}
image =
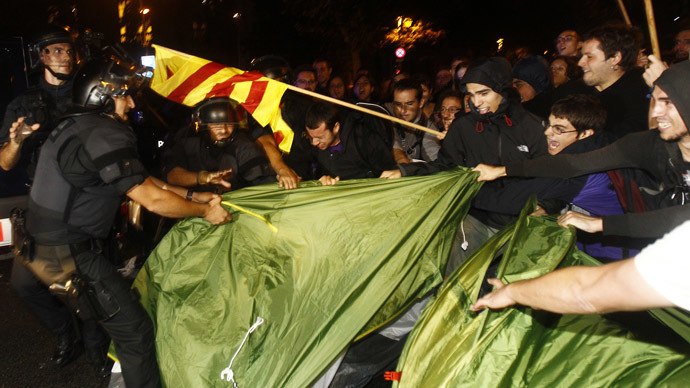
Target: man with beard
{"points": [[216, 154]]}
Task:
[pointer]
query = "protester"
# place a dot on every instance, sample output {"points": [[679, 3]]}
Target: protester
{"points": [[532, 81], [564, 69], [364, 88], [337, 88], [655, 278], [305, 78], [277, 68], [497, 128], [609, 54], [411, 144], [450, 107], [323, 71], [568, 44], [681, 45], [664, 153], [349, 147]]}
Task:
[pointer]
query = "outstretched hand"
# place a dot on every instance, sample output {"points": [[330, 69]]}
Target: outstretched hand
{"points": [[489, 173], [497, 299], [329, 180], [583, 222], [287, 178], [19, 130], [391, 174]]}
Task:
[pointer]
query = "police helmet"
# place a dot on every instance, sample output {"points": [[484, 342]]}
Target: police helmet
{"points": [[97, 82], [49, 35], [273, 67], [218, 110]]}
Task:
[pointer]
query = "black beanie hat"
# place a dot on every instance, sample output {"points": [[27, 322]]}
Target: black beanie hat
{"points": [[492, 72]]}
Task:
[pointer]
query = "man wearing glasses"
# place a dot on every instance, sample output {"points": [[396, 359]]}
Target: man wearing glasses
{"points": [[664, 153], [568, 43]]}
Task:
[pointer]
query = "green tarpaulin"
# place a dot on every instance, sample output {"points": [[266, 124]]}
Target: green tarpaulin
{"points": [[519, 347], [344, 260]]}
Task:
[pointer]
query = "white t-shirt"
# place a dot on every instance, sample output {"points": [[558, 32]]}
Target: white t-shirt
{"points": [[665, 265]]}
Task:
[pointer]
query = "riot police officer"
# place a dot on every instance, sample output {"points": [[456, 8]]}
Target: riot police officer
{"points": [[216, 153], [86, 166], [40, 106]]}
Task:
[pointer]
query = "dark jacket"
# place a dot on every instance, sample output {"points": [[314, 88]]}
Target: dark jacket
{"points": [[508, 135], [510, 198], [644, 150], [362, 152]]}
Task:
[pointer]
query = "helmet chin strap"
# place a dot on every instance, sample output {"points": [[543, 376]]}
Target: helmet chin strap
{"points": [[60, 76]]}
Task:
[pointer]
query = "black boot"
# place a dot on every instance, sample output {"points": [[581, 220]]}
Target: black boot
{"points": [[66, 349], [98, 358]]}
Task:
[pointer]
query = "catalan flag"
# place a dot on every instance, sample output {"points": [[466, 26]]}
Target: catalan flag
{"points": [[188, 80]]}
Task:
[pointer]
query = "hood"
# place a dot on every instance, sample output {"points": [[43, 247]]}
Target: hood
{"points": [[533, 70], [674, 81], [492, 72]]}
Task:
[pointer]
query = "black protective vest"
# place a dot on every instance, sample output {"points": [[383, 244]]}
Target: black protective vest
{"points": [[62, 211]]}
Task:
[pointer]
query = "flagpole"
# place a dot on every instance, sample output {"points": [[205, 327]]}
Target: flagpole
{"points": [[621, 6], [365, 110], [652, 28]]}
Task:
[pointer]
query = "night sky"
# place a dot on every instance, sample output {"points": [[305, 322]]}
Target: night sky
{"points": [[301, 30]]}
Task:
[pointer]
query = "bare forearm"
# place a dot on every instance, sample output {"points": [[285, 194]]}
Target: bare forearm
{"points": [[181, 191], [181, 177], [164, 202], [559, 291], [9, 155], [268, 145], [400, 156], [589, 290]]}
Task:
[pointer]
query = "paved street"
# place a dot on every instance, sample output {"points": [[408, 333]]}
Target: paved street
{"points": [[26, 347]]}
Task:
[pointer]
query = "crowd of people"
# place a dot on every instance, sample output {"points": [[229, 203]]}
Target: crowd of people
{"points": [[598, 134]]}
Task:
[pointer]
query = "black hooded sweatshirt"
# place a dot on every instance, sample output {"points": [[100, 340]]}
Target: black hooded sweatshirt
{"points": [[510, 134], [644, 150]]}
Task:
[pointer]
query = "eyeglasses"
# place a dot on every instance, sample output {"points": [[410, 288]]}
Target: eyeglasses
{"points": [[452, 110], [557, 129], [563, 39]]}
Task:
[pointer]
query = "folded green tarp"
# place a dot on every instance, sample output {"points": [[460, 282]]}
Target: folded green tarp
{"points": [[344, 260], [520, 347]]}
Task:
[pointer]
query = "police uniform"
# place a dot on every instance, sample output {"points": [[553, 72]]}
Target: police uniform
{"points": [[42, 104], [195, 152], [86, 165]]}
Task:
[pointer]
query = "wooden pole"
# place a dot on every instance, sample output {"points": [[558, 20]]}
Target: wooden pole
{"points": [[365, 110], [652, 28], [621, 6]]}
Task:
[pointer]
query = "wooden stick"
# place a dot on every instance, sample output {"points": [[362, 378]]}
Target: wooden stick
{"points": [[621, 6], [652, 28], [365, 110]]}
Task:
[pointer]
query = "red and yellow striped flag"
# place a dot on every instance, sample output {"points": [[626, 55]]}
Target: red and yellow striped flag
{"points": [[188, 80]]}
